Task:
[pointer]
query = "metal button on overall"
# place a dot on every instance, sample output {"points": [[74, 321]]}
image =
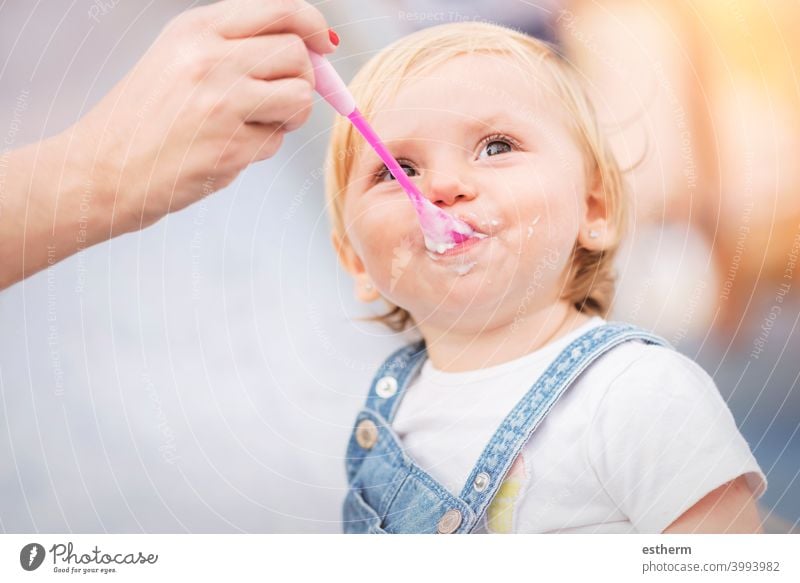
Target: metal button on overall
{"points": [[366, 433], [481, 481], [386, 387], [449, 522]]}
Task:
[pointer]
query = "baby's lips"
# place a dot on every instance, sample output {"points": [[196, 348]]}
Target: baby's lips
{"points": [[472, 222], [486, 227]]}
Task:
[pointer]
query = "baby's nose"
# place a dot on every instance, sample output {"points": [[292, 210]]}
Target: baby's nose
{"points": [[443, 190]]}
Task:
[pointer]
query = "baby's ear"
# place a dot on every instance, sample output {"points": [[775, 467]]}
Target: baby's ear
{"points": [[351, 262], [598, 230]]}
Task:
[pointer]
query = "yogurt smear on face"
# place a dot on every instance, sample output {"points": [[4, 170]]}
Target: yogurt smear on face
{"points": [[439, 234], [441, 231], [465, 268]]}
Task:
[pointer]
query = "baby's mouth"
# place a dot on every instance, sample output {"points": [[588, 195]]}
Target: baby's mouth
{"points": [[482, 230], [465, 245]]}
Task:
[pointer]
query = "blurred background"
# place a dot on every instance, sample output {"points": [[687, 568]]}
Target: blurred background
{"points": [[203, 375]]}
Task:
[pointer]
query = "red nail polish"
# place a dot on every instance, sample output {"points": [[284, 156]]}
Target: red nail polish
{"points": [[334, 37]]}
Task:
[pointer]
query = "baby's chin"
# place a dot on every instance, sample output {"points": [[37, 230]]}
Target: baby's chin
{"points": [[473, 296], [475, 283]]}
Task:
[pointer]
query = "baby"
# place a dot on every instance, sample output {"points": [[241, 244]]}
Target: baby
{"points": [[521, 409]]}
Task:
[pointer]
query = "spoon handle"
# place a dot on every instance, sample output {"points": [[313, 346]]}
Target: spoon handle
{"points": [[330, 85]]}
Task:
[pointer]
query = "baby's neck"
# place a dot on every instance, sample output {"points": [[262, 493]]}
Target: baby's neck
{"points": [[453, 350]]}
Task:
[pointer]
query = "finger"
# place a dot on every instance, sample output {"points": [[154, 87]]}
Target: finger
{"points": [[249, 143], [264, 140], [275, 56], [246, 18], [286, 102]]}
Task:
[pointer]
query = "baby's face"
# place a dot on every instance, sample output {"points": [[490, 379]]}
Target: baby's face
{"points": [[492, 148]]}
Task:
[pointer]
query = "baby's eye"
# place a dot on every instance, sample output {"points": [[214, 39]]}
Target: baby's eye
{"points": [[383, 174], [495, 147]]}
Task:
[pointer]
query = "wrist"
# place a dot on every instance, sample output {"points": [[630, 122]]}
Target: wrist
{"points": [[91, 181]]}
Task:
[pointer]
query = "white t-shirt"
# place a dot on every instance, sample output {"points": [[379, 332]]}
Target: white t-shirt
{"points": [[638, 439]]}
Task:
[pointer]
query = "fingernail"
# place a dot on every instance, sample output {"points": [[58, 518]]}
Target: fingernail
{"points": [[334, 37]]}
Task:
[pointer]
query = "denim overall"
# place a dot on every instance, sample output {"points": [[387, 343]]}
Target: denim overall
{"points": [[390, 493]]}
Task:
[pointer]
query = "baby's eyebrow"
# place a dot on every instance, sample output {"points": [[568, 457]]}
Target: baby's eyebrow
{"points": [[505, 120], [492, 120], [472, 125]]}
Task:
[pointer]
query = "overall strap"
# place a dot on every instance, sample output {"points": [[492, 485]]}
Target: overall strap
{"points": [[518, 426], [393, 377]]}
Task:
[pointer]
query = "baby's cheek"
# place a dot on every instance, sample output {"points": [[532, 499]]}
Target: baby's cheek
{"points": [[540, 245], [537, 233], [377, 262], [550, 249], [388, 235]]}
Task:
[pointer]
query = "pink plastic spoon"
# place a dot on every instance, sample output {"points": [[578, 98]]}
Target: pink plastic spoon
{"points": [[441, 230]]}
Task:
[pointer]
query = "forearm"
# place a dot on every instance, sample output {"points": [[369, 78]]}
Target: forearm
{"points": [[51, 206]]}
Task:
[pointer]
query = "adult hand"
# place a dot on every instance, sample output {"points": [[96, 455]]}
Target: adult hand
{"points": [[216, 91]]}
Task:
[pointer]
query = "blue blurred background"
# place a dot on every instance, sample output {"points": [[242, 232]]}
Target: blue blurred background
{"points": [[202, 375]]}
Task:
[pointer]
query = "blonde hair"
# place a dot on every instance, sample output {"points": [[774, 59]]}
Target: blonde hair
{"points": [[590, 283]]}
